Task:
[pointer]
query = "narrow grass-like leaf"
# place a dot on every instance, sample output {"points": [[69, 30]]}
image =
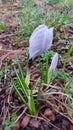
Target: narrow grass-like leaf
{"points": [[50, 72], [68, 54], [15, 87], [18, 92], [23, 87], [38, 94], [18, 63], [30, 99], [46, 75], [31, 103], [21, 71]]}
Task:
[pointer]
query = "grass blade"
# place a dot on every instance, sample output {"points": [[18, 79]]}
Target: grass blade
{"points": [[31, 103], [46, 75], [21, 71], [68, 54], [38, 94], [18, 92], [16, 89]]}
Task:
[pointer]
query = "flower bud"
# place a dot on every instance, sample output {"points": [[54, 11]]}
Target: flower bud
{"points": [[54, 62], [40, 41], [52, 67]]}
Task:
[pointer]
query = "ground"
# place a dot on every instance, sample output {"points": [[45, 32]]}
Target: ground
{"points": [[55, 112]]}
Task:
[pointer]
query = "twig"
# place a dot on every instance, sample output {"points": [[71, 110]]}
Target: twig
{"points": [[59, 93], [9, 95], [21, 114], [10, 5], [8, 35]]}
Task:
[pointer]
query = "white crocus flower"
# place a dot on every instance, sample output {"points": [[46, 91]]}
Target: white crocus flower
{"points": [[40, 41], [52, 67]]}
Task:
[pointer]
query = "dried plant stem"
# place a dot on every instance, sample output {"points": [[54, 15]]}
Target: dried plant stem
{"points": [[21, 114]]}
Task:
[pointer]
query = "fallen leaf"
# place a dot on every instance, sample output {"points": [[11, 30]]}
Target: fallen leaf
{"points": [[49, 114], [34, 123], [25, 121]]}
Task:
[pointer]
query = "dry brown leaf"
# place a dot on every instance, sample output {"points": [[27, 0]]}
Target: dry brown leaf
{"points": [[25, 121], [49, 113], [34, 123]]}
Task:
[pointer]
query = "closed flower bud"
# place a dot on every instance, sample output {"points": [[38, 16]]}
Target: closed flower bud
{"points": [[52, 67], [40, 41], [54, 62]]}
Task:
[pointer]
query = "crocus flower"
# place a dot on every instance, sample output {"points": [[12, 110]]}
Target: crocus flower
{"points": [[40, 41], [52, 67]]}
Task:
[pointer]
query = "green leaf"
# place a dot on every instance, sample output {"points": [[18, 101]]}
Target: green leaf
{"points": [[38, 94], [2, 26], [46, 75], [21, 83], [71, 64], [13, 116], [15, 87], [27, 79], [62, 75], [50, 72], [20, 68], [46, 96], [69, 102], [7, 122], [19, 93], [12, 124], [53, 90], [68, 54], [31, 103], [70, 113], [7, 128]]}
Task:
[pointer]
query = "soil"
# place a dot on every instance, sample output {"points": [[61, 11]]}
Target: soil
{"points": [[52, 111]]}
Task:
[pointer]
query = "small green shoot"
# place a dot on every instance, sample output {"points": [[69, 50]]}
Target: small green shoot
{"points": [[71, 64], [2, 26], [10, 122]]}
